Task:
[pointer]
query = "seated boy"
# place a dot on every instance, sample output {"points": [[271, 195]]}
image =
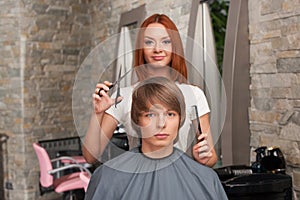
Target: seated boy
{"points": [[155, 170]]}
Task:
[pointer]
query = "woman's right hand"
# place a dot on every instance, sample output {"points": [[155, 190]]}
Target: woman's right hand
{"points": [[104, 101], [202, 151]]}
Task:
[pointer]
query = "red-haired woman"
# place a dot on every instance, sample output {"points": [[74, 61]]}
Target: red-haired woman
{"points": [[159, 52]]}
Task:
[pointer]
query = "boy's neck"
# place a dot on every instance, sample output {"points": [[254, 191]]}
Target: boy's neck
{"points": [[157, 153]]}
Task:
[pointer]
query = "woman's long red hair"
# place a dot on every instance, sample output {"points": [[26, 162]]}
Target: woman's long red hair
{"points": [[177, 61]]}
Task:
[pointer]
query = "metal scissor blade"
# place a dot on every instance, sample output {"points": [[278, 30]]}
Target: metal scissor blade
{"points": [[118, 85], [117, 82], [121, 77]]}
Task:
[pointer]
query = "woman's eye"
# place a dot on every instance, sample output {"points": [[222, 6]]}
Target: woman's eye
{"points": [[149, 115], [148, 42], [166, 41]]}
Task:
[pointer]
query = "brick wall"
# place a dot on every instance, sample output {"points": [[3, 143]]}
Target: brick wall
{"points": [[43, 44], [275, 76], [10, 89]]}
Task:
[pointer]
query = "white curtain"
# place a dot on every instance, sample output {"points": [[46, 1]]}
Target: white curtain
{"points": [[125, 56], [204, 61]]}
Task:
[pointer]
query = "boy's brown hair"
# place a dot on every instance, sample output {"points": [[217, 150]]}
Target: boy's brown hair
{"points": [[157, 90]]}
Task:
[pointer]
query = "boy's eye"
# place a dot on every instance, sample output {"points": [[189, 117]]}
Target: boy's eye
{"points": [[172, 114]]}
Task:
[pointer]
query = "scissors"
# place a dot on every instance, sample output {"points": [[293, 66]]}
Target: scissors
{"points": [[116, 83]]}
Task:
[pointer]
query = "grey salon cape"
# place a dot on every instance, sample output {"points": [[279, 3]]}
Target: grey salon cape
{"points": [[133, 176]]}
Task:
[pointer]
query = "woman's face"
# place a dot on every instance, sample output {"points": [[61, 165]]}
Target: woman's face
{"points": [[157, 45], [159, 127]]}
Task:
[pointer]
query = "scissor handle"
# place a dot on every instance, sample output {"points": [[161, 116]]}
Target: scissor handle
{"points": [[111, 86]]}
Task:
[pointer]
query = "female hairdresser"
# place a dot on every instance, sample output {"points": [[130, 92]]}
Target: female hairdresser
{"points": [[158, 46]]}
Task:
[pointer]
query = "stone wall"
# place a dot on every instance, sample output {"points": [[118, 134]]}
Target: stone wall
{"points": [[275, 77], [43, 43], [10, 83], [42, 46]]}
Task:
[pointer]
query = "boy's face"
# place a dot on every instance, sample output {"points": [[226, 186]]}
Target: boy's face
{"points": [[159, 127]]}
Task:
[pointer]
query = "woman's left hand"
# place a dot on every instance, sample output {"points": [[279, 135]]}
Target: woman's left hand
{"points": [[202, 152]]}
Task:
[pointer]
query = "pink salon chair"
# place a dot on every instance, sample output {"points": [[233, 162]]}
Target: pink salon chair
{"points": [[65, 184]]}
